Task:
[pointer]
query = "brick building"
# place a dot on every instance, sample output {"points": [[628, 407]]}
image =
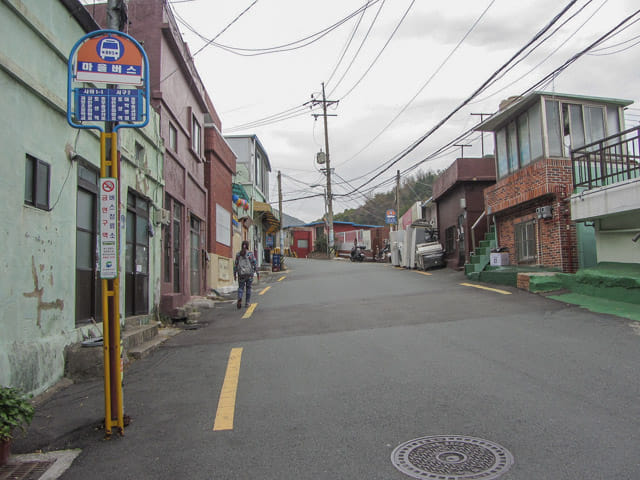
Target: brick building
{"points": [[219, 171], [529, 204], [179, 97], [458, 193]]}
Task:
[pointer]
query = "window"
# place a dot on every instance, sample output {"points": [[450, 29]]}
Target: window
{"points": [[524, 147], [37, 183], [177, 245], [223, 226], [173, 137], [88, 304], [196, 136], [137, 256], [501, 148], [303, 243], [139, 154], [526, 241], [552, 110]]}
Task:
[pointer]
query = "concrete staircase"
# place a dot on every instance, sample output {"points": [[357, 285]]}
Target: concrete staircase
{"points": [[481, 256]]}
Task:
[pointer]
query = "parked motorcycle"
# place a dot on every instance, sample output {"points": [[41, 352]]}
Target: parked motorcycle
{"points": [[384, 254], [357, 254]]}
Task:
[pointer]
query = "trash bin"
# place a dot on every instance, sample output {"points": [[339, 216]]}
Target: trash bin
{"points": [[275, 262]]}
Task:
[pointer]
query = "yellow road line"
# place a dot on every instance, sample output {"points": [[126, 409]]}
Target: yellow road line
{"points": [[282, 278], [503, 292], [423, 273], [250, 310], [227, 401], [264, 290]]}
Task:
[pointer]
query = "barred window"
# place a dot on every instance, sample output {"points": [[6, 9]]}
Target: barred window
{"points": [[526, 242]]}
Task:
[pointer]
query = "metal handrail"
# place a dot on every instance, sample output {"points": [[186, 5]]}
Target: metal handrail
{"points": [[608, 160]]}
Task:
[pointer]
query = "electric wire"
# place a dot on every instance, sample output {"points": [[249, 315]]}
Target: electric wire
{"points": [[421, 89], [487, 82]]}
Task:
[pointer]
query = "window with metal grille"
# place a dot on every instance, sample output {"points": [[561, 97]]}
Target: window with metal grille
{"points": [[526, 242]]}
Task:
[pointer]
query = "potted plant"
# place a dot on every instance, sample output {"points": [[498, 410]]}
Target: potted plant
{"points": [[16, 411]]}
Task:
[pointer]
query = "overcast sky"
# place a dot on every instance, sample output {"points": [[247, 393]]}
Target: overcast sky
{"points": [[248, 88]]}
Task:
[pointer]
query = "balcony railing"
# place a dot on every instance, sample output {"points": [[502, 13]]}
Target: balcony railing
{"points": [[605, 162]]}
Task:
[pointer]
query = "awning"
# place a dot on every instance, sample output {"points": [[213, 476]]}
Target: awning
{"points": [[261, 207], [272, 223]]}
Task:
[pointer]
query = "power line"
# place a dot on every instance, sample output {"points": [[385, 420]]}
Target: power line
{"points": [[551, 75], [297, 44], [487, 82], [213, 39], [424, 85]]}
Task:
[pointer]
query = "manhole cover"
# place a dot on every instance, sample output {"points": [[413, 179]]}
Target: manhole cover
{"points": [[444, 457]]}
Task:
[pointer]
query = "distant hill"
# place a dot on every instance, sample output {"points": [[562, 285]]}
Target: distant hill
{"points": [[412, 189]]}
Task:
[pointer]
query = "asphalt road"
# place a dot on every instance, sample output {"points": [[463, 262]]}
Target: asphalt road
{"points": [[343, 362]]}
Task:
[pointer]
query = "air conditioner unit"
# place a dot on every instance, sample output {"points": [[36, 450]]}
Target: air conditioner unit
{"points": [[163, 216]]}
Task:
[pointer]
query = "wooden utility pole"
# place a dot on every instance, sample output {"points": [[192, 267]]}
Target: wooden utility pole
{"points": [[398, 200], [325, 103], [280, 211], [481, 115], [461, 148]]}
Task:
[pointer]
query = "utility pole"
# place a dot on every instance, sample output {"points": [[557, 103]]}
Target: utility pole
{"points": [[398, 200], [114, 416], [326, 102], [461, 148], [481, 115], [280, 210]]}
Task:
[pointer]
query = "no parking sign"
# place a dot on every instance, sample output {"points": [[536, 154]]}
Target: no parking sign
{"points": [[108, 228]]}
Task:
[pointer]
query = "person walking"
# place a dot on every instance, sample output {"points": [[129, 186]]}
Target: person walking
{"points": [[243, 270]]}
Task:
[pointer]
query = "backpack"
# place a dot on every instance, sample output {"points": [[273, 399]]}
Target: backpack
{"points": [[244, 266]]}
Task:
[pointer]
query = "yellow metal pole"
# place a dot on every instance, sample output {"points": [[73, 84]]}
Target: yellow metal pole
{"points": [[105, 311], [116, 299]]}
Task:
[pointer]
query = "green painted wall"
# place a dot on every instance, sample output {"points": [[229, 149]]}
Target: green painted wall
{"points": [[37, 288]]}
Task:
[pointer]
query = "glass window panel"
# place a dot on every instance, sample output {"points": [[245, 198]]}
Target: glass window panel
{"points": [[167, 253], [131, 227], [512, 138], [129, 258], [594, 123], [84, 250], [523, 139], [577, 126], [85, 213], [501, 146], [29, 168], [535, 132], [177, 211], [613, 120], [142, 259], [554, 133], [42, 185], [142, 204], [142, 230]]}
